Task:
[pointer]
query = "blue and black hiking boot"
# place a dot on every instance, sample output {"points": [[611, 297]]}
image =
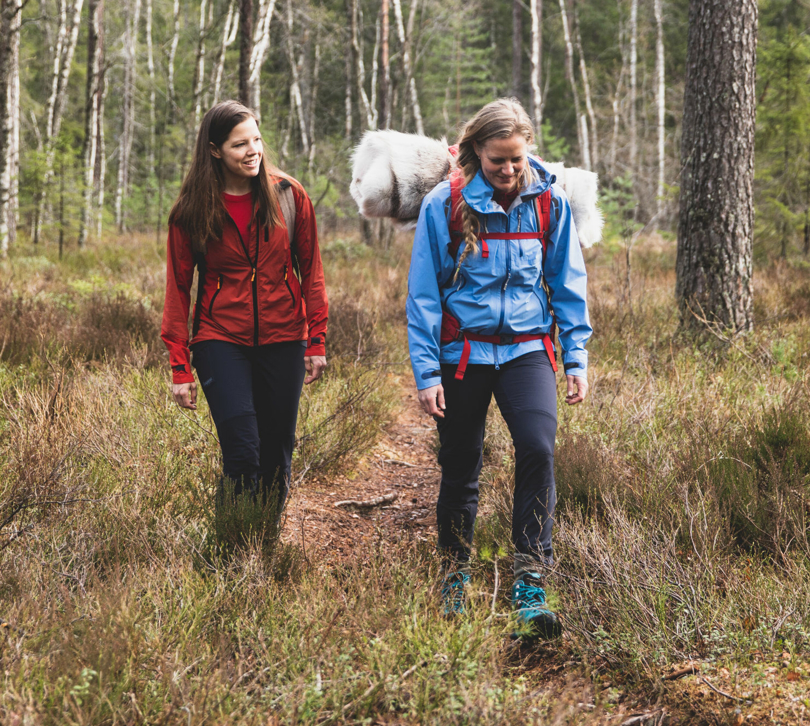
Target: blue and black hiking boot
{"points": [[534, 618], [454, 595]]}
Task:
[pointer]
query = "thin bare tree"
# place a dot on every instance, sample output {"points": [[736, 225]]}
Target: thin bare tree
{"points": [[586, 88], [261, 44], [10, 12], [296, 98], [228, 37], [172, 100], [410, 81], [368, 114], [633, 86], [660, 102], [245, 48], [199, 63], [582, 124], [536, 10], [95, 18], [517, 46], [385, 75]]}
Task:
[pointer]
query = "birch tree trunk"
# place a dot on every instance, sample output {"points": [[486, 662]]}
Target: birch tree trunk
{"points": [[228, 37], [245, 48], [199, 64], [633, 84], [261, 44], [582, 124], [359, 69], [660, 102], [150, 67], [348, 96], [517, 46], [715, 231], [586, 87], [313, 99], [536, 10], [172, 100], [95, 15], [295, 86], [101, 146], [10, 11], [127, 110], [410, 81]]}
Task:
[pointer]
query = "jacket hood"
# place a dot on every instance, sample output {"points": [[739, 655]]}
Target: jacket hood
{"points": [[478, 193]]}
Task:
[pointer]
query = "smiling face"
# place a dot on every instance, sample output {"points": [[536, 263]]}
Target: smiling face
{"points": [[503, 161], [241, 155]]}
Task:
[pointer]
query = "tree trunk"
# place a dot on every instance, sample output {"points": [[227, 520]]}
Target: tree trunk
{"points": [[261, 44], [102, 144], [172, 100], [95, 15], [660, 101], [586, 87], [296, 99], [348, 95], [199, 64], [245, 48], [715, 231], [359, 69], [228, 37], [410, 82], [614, 142], [150, 67], [536, 9], [10, 11], [127, 109], [385, 75], [517, 46], [582, 137], [633, 83], [313, 99]]}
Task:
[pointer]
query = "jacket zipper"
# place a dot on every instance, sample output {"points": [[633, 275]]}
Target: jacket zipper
{"points": [[506, 281], [214, 297], [254, 286], [289, 289]]}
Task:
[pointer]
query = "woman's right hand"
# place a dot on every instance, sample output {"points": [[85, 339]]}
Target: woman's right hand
{"points": [[185, 395], [432, 400]]}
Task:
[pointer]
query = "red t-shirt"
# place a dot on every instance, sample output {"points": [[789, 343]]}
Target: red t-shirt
{"points": [[505, 199], [240, 207]]}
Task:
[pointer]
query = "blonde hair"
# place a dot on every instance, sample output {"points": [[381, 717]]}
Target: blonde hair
{"points": [[500, 119]]}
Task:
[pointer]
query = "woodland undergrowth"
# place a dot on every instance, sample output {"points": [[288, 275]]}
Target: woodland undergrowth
{"points": [[682, 527]]}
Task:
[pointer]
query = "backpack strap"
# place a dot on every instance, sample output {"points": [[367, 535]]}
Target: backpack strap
{"points": [[456, 224], [199, 262], [287, 202], [543, 202]]}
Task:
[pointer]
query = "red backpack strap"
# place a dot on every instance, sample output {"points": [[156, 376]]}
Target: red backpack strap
{"points": [[543, 202], [456, 225]]}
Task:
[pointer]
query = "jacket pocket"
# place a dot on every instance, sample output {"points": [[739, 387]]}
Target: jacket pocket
{"points": [[214, 297]]}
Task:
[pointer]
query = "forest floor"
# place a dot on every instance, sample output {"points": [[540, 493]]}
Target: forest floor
{"points": [[402, 465]]}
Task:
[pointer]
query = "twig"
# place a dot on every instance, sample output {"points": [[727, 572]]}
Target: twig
{"points": [[723, 693], [369, 503], [380, 684], [497, 584], [642, 718], [681, 672], [402, 463]]}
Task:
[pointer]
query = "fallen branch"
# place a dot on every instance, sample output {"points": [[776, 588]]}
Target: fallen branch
{"points": [[681, 672], [369, 503], [643, 719], [723, 693]]}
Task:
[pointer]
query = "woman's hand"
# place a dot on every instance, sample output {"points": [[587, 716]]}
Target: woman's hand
{"points": [[577, 389], [432, 400], [185, 395], [315, 365]]}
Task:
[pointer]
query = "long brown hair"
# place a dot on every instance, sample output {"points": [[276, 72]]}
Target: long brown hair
{"points": [[499, 119], [199, 209]]}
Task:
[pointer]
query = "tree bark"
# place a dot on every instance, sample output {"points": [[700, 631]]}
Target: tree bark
{"points": [[296, 99], [586, 87], [582, 124], [517, 46], [633, 84], [261, 44], [10, 11], [614, 142], [385, 71], [536, 9], [199, 64], [95, 15], [359, 69], [715, 231], [172, 100], [245, 48], [228, 37], [660, 101], [150, 68], [127, 109], [348, 96], [410, 81]]}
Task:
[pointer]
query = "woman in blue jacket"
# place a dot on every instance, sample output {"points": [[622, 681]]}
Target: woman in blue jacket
{"points": [[496, 264]]}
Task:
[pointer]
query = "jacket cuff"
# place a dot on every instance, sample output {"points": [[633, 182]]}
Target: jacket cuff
{"points": [[428, 379], [180, 374], [316, 345]]}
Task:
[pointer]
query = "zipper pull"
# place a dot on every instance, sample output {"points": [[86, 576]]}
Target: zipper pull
{"points": [[253, 276], [285, 273], [219, 282]]}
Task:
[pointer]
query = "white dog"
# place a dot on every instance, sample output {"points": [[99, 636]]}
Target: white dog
{"points": [[392, 173]]}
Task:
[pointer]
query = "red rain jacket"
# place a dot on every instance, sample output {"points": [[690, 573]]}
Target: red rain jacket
{"points": [[251, 295]]}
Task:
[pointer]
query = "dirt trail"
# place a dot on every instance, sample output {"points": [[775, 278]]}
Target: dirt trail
{"points": [[402, 463]]}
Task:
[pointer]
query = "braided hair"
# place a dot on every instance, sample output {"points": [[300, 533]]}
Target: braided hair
{"points": [[500, 119]]}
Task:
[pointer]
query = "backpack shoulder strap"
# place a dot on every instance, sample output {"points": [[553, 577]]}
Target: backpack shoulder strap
{"points": [[456, 225], [199, 262], [543, 202], [287, 202]]}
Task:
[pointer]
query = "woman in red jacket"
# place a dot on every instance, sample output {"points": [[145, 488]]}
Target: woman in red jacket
{"points": [[258, 332]]}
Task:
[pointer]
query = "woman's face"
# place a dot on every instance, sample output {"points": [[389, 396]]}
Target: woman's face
{"points": [[241, 153], [503, 161]]}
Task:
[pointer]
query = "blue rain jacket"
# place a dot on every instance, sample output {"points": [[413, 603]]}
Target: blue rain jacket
{"points": [[501, 294]]}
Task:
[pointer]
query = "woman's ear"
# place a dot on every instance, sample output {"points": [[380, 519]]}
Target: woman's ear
{"points": [[214, 150], [477, 149]]}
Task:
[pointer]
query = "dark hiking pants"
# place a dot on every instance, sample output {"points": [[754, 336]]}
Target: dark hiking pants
{"points": [[526, 393]]}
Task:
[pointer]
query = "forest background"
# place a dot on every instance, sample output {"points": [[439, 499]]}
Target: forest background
{"points": [[104, 99], [682, 535]]}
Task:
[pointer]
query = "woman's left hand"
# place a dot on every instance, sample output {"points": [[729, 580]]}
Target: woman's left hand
{"points": [[577, 389], [315, 365]]}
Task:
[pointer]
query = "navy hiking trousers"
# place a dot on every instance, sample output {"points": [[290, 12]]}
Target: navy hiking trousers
{"points": [[253, 393], [526, 392]]}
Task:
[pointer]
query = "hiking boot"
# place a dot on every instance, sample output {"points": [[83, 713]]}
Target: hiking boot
{"points": [[529, 602], [454, 595]]}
